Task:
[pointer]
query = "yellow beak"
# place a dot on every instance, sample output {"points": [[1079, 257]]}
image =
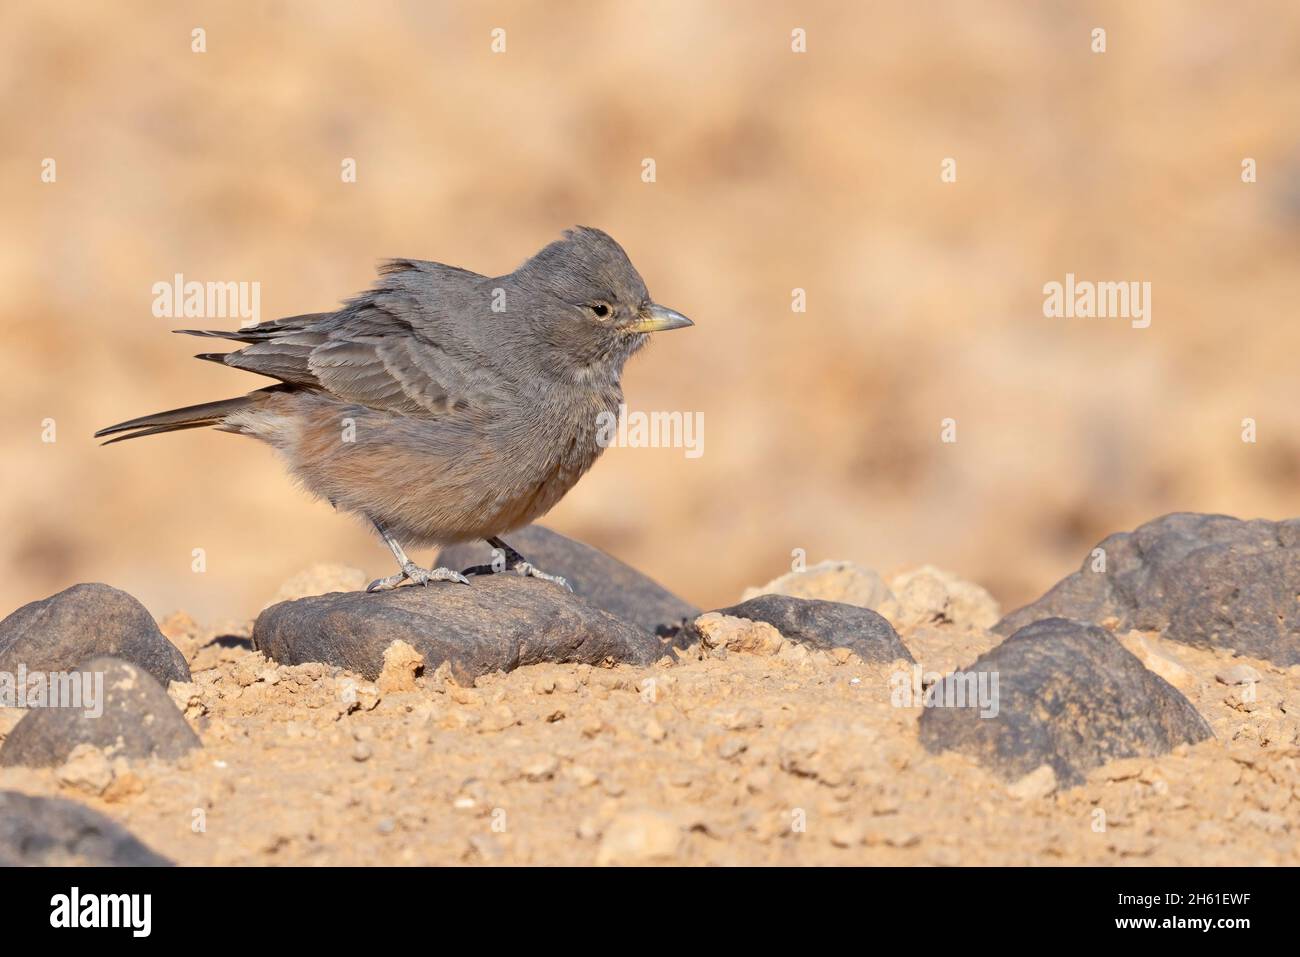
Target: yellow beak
{"points": [[657, 318]]}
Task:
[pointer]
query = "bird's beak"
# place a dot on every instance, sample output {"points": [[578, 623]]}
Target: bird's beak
{"points": [[657, 318]]}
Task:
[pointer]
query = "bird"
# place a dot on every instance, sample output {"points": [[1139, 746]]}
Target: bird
{"points": [[443, 406]]}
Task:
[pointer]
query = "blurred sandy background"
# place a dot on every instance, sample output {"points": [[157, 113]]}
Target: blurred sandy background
{"points": [[775, 171]]}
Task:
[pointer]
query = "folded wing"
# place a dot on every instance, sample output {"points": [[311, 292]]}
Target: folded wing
{"points": [[369, 353]]}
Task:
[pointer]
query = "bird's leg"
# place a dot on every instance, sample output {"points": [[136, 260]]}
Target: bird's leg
{"points": [[410, 571], [513, 561]]}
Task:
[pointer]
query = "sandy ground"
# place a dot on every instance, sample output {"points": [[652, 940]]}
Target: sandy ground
{"points": [[797, 758]]}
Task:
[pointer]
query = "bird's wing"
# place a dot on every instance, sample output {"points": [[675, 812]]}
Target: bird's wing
{"points": [[396, 373], [368, 353]]}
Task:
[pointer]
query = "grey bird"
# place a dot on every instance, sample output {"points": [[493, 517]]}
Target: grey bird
{"points": [[443, 406]]}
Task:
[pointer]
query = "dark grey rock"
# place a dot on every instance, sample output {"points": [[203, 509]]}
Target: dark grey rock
{"points": [[53, 832], [601, 579], [1068, 694], [822, 624], [1211, 581], [138, 720], [497, 622], [82, 622]]}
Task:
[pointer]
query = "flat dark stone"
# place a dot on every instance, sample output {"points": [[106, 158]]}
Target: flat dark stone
{"points": [[1068, 695], [823, 624], [1211, 581], [53, 832], [82, 622], [138, 720], [601, 579], [497, 622]]}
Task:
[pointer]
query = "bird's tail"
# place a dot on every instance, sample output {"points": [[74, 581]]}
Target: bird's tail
{"points": [[190, 417]]}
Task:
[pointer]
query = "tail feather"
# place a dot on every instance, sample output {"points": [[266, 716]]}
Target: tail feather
{"points": [[155, 430], [260, 332], [174, 420]]}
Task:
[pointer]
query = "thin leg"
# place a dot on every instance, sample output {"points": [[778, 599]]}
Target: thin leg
{"points": [[515, 562], [410, 571]]}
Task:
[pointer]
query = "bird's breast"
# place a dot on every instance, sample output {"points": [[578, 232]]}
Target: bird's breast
{"points": [[554, 440]]}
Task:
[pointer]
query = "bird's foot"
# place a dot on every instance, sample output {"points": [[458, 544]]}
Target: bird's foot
{"points": [[506, 559], [418, 576], [528, 570]]}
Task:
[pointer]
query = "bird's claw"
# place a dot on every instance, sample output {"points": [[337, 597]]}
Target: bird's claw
{"points": [[529, 570], [418, 576]]}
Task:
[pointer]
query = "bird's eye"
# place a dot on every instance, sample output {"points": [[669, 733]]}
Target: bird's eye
{"points": [[600, 310]]}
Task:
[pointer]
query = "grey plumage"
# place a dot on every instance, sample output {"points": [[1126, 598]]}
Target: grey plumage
{"points": [[443, 405]]}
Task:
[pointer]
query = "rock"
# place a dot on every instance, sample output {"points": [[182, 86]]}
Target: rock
{"points": [[496, 623], [845, 582], [848, 834], [581, 775], [831, 755], [732, 747], [1238, 675], [1264, 820], [799, 748], [1211, 581], [737, 634], [639, 837], [1038, 783], [1166, 666], [738, 719], [601, 579], [85, 621], [498, 718], [320, 579], [819, 624], [929, 595], [188, 696], [401, 664], [541, 767], [125, 783], [1068, 695], [138, 720], [891, 837], [354, 697], [87, 769], [41, 831], [654, 731]]}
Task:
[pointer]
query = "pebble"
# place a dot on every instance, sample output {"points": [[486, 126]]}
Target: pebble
{"points": [[1264, 820], [499, 718], [847, 834], [739, 634], [581, 775], [1038, 783], [639, 837], [738, 720], [1159, 662], [401, 665], [87, 770], [731, 747], [541, 768], [544, 685], [1237, 675]]}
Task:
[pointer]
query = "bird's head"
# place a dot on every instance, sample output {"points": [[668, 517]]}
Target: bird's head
{"points": [[591, 304]]}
